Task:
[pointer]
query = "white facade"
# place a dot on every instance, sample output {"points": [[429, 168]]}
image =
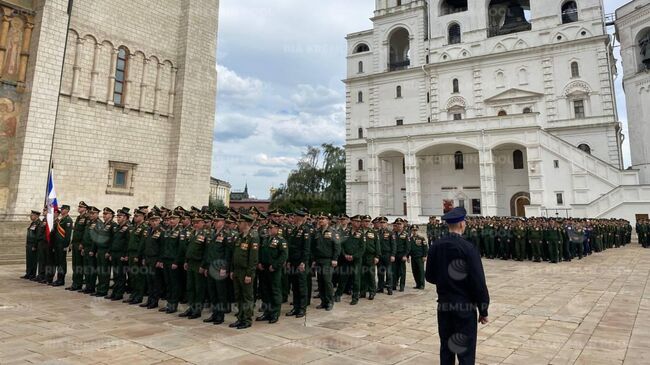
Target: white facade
{"points": [[220, 190], [632, 28], [516, 106]]}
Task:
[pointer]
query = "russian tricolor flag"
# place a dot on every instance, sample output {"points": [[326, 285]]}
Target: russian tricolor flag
{"points": [[51, 205]]}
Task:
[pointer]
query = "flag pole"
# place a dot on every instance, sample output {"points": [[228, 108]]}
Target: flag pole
{"points": [[50, 166]]}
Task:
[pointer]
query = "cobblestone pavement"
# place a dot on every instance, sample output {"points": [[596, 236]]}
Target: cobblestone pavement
{"points": [[592, 311]]}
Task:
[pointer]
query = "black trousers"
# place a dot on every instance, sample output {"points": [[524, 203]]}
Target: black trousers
{"points": [[457, 328]]}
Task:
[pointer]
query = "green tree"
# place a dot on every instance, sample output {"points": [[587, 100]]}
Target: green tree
{"points": [[317, 183]]}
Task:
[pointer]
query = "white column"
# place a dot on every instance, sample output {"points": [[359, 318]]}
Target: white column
{"points": [[413, 197], [128, 93], [94, 73], [76, 68], [143, 84], [488, 183], [111, 77], [157, 89], [374, 201], [172, 92]]}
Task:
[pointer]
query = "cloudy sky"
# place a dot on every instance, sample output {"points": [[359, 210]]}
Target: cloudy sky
{"points": [[280, 65]]}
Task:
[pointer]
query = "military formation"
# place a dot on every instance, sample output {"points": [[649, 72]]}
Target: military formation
{"points": [[214, 260], [541, 239], [205, 259]]}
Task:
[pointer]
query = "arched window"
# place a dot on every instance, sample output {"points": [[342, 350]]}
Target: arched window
{"points": [[120, 77], [452, 6], [360, 97], [360, 67], [360, 165], [569, 12], [527, 110], [360, 132], [398, 92], [585, 148], [362, 48], [399, 49], [453, 34], [458, 160], [575, 69], [455, 86], [506, 17], [502, 113], [518, 160], [643, 41]]}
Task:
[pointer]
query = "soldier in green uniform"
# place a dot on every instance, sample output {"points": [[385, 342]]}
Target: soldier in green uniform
{"points": [[31, 255], [42, 250], [117, 253], [488, 233], [326, 250], [196, 243], [388, 251], [553, 238], [418, 256], [102, 237], [216, 263], [519, 236], [90, 261], [151, 264], [62, 234], [172, 268], [272, 258], [352, 251], [77, 244], [135, 254], [244, 260], [402, 244], [536, 238], [298, 263], [370, 260]]}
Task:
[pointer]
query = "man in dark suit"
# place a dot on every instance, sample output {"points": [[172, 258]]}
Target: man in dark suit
{"points": [[454, 266]]}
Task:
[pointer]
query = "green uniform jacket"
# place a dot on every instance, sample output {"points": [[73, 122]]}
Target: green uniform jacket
{"points": [[373, 246], [387, 244], [120, 242], [354, 245], [402, 243], [152, 240], [79, 228], [535, 234], [32, 234], [218, 251], [300, 245], [87, 240], [63, 232], [327, 244], [274, 252], [245, 253], [171, 245], [419, 247], [135, 246], [102, 235], [196, 243]]}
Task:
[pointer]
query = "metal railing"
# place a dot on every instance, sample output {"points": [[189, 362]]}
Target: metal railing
{"points": [[401, 65]]}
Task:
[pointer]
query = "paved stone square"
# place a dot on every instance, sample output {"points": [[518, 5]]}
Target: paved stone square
{"points": [[592, 311]]}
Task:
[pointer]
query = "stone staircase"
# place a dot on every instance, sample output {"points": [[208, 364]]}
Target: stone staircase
{"points": [[12, 242]]}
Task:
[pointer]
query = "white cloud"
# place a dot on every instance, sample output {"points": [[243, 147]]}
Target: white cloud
{"points": [[280, 161], [232, 84]]}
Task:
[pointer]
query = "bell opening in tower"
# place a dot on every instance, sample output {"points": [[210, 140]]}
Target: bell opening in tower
{"points": [[508, 16]]}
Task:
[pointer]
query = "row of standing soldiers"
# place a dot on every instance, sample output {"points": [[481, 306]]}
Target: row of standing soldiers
{"points": [[196, 257], [540, 239]]}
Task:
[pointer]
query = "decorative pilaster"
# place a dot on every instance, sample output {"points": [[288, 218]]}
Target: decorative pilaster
{"points": [[94, 73], [549, 89], [143, 84], [128, 94], [172, 92], [76, 68], [157, 90], [374, 206], [413, 197], [111, 77], [488, 183], [478, 93], [24, 53], [4, 31]]}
